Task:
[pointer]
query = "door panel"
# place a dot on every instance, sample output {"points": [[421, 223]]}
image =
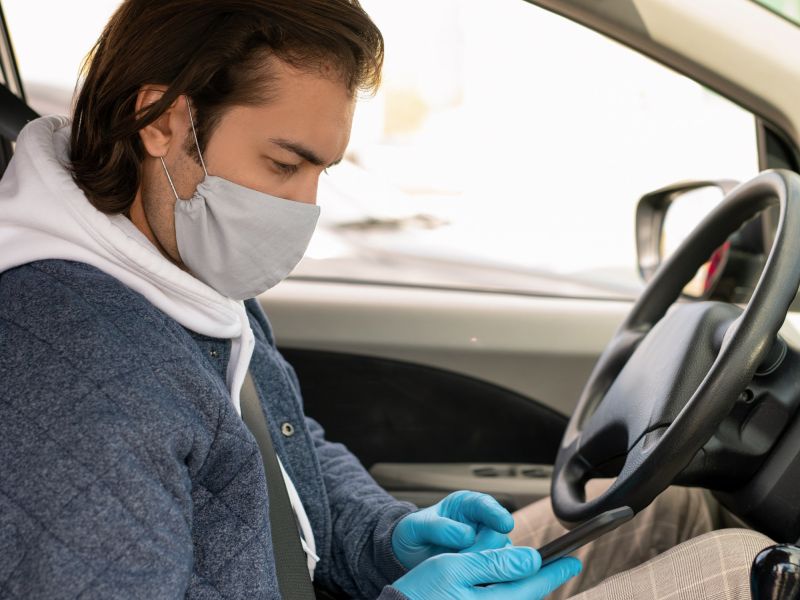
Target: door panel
{"points": [[542, 348], [439, 390], [424, 432], [513, 485], [396, 412]]}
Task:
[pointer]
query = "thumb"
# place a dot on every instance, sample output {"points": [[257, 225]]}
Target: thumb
{"points": [[546, 580], [557, 573], [496, 566]]}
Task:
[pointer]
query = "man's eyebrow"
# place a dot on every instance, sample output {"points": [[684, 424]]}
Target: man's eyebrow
{"points": [[303, 152]]}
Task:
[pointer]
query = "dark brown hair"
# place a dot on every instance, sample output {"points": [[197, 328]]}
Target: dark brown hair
{"points": [[215, 52]]}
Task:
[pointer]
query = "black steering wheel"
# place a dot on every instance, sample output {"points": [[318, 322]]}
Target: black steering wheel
{"points": [[664, 383]]}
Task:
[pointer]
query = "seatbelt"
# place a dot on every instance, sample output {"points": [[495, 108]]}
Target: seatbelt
{"points": [[291, 564]]}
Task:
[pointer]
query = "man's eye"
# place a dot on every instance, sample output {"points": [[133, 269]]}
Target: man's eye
{"points": [[284, 168]]}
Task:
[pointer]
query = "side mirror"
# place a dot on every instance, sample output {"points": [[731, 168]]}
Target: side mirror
{"points": [[665, 217]]}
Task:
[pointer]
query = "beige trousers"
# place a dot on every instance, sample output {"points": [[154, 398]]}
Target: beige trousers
{"points": [[670, 550]]}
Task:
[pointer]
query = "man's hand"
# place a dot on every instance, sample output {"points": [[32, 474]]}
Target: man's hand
{"points": [[504, 574], [464, 521]]}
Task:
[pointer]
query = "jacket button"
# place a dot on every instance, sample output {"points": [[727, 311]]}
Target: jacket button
{"points": [[214, 354], [287, 429]]}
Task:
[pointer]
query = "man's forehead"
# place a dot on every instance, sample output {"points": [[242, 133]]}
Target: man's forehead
{"points": [[281, 76], [309, 114]]}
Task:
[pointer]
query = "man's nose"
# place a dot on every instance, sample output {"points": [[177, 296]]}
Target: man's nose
{"points": [[306, 190]]}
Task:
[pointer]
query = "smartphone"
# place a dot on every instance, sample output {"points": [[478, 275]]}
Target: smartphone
{"points": [[584, 533]]}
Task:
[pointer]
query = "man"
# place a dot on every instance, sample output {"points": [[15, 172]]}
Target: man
{"points": [[132, 243]]}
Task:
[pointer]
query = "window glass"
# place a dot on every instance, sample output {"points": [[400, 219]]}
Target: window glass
{"points": [[506, 149], [51, 48]]}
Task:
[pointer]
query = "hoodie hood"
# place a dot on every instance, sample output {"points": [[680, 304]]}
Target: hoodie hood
{"points": [[45, 215]]}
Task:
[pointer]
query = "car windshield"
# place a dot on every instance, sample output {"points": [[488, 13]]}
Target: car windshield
{"points": [[789, 9]]}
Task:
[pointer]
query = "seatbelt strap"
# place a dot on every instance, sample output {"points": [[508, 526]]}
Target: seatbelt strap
{"points": [[291, 564]]}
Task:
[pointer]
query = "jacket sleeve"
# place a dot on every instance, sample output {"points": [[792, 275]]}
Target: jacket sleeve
{"points": [[391, 593], [87, 513], [363, 518]]}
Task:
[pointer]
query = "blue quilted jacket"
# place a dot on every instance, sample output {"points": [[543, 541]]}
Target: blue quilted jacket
{"points": [[125, 471]]}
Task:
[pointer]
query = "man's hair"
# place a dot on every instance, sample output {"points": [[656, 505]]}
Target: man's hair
{"points": [[214, 51]]}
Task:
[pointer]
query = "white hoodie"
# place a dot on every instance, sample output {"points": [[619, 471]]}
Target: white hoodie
{"points": [[45, 215]]}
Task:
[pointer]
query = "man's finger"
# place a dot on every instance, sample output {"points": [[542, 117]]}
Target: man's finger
{"points": [[488, 539], [445, 532], [472, 507]]}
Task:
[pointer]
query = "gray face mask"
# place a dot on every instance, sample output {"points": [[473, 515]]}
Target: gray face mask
{"points": [[239, 241]]}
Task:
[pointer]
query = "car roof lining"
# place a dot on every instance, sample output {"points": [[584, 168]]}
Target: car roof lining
{"points": [[621, 12]]}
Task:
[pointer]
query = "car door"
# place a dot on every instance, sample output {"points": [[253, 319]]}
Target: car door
{"points": [[442, 362]]}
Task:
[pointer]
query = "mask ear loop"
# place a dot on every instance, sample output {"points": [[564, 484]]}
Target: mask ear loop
{"points": [[196, 141], [172, 185], [200, 154]]}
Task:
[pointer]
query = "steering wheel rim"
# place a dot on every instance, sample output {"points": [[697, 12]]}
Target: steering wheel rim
{"points": [[658, 456]]}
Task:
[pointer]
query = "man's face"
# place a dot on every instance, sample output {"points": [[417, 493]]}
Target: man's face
{"points": [[280, 148]]}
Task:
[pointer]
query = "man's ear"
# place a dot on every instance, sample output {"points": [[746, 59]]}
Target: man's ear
{"points": [[158, 135]]}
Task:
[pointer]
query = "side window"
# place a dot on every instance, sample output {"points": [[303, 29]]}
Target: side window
{"points": [[49, 54], [507, 150]]}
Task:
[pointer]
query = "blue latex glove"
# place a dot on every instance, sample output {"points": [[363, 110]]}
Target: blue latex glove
{"points": [[488, 539], [452, 525], [504, 574]]}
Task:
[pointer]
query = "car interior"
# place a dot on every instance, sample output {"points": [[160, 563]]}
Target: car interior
{"points": [[695, 383]]}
